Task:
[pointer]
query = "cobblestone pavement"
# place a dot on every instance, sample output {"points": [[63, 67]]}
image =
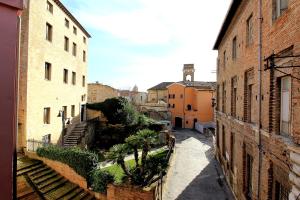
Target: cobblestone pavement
{"points": [[194, 171]]}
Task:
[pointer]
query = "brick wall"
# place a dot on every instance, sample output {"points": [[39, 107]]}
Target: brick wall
{"points": [[278, 35]]}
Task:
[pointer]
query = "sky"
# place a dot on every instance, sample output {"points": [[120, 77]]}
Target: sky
{"points": [[146, 42]]}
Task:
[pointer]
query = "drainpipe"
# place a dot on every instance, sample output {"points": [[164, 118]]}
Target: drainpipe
{"points": [[260, 21]]}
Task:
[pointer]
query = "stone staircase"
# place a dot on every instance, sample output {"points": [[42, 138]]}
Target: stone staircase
{"points": [[45, 183], [74, 135]]}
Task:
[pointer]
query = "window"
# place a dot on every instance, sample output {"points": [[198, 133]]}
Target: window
{"points": [[65, 76], [72, 110], [181, 96], [84, 40], [83, 81], [46, 139], [173, 105], [67, 23], [223, 142], [74, 50], [189, 107], [169, 105], [83, 56], [173, 96], [66, 46], [48, 32], [232, 149], [234, 48], [279, 6], [74, 30], [285, 101], [218, 135], [248, 96], [224, 59], [248, 177], [65, 110], [249, 31], [281, 192], [47, 115], [279, 184], [233, 96], [224, 97], [49, 7], [48, 71], [74, 78]]}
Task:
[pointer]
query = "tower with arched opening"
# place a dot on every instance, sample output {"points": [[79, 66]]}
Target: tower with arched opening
{"points": [[188, 71]]}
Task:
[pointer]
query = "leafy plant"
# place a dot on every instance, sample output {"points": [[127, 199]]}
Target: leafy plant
{"points": [[83, 162], [100, 179], [143, 170]]}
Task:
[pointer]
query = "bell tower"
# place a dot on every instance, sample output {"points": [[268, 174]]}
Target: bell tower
{"points": [[188, 70]]}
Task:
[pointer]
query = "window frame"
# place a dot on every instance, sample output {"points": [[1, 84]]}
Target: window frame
{"points": [[66, 44], [74, 49], [74, 30], [67, 23], [72, 110], [48, 69], [49, 32], [289, 106], [47, 115], [234, 48], [249, 30], [83, 80], [66, 76], [73, 78], [49, 7]]}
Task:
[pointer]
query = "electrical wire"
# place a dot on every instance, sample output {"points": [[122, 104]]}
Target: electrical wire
{"points": [[287, 74]]}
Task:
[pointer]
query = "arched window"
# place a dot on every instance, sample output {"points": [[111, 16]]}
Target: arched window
{"points": [[189, 107]]}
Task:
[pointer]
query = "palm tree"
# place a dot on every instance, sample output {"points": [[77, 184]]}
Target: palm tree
{"points": [[117, 154], [134, 142]]}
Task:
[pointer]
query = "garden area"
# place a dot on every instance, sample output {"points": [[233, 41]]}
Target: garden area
{"points": [[133, 153]]}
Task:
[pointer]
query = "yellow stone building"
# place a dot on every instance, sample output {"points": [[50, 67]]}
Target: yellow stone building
{"points": [[98, 92], [53, 70]]}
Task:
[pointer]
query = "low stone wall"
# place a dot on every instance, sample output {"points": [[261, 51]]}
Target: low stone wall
{"points": [[62, 169], [129, 193]]}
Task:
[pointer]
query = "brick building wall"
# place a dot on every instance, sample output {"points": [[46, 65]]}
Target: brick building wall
{"points": [[36, 92], [98, 92], [279, 35]]}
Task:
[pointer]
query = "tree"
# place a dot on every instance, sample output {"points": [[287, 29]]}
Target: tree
{"points": [[142, 172]]}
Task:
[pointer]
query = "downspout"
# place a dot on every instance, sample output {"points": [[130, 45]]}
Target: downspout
{"points": [[260, 21]]}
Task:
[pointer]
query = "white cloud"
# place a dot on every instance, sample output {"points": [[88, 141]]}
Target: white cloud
{"points": [[192, 25]]}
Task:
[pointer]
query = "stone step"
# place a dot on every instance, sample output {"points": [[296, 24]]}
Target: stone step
{"points": [[60, 192], [44, 178], [40, 170], [41, 174], [29, 169], [49, 182], [73, 194], [54, 186], [82, 195]]}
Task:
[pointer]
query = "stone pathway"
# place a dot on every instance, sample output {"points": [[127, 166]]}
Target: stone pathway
{"points": [[194, 172]]}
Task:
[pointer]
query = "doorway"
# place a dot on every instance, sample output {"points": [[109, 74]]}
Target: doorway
{"points": [[178, 122]]}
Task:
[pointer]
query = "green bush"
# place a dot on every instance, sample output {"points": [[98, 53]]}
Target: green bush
{"points": [[100, 179], [83, 162]]}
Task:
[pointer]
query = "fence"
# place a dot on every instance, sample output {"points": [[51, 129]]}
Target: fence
{"points": [[33, 145], [170, 140]]}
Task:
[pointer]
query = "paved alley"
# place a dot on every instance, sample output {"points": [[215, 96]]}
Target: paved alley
{"points": [[194, 171]]}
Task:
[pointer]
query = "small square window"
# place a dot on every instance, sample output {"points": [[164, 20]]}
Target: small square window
{"points": [[74, 30], [48, 71], [65, 110], [74, 50], [65, 76], [74, 78], [83, 81], [73, 111], [49, 7], [47, 115], [66, 45], [49, 32], [67, 23], [83, 56]]}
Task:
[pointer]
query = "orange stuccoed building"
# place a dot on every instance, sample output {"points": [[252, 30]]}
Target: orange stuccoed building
{"points": [[190, 102]]}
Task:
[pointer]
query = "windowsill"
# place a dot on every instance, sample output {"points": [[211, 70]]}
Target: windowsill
{"points": [[47, 80]]}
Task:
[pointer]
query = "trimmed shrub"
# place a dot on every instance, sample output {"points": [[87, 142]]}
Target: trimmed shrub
{"points": [[83, 162], [100, 179]]}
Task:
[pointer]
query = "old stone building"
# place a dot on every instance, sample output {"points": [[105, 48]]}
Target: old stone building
{"points": [[53, 70], [258, 99], [159, 93], [98, 92], [189, 101]]}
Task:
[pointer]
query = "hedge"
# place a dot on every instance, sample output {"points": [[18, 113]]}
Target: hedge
{"points": [[83, 162], [100, 179]]}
